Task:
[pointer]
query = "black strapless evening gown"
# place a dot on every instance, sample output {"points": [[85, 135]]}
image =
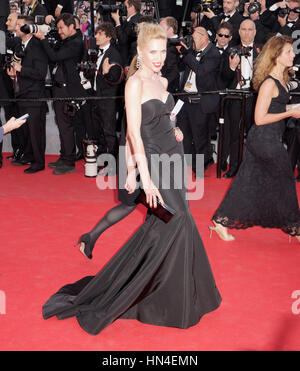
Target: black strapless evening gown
{"points": [[263, 192], [162, 275]]}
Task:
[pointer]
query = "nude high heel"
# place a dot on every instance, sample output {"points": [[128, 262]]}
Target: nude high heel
{"points": [[297, 238], [86, 246], [221, 232]]}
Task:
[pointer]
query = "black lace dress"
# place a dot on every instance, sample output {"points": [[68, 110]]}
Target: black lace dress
{"points": [[263, 192], [162, 275]]}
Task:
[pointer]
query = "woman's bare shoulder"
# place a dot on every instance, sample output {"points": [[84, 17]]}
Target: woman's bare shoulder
{"points": [[134, 81], [268, 87], [164, 82], [267, 84]]}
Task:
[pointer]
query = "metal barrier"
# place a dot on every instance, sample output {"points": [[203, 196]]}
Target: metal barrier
{"points": [[226, 94]]}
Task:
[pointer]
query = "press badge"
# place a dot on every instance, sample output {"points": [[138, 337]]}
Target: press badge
{"points": [[188, 85]]}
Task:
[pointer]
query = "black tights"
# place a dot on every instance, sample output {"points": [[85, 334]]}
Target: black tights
{"points": [[112, 217]]}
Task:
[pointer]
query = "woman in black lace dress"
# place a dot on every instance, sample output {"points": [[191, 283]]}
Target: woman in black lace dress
{"points": [[264, 192]]}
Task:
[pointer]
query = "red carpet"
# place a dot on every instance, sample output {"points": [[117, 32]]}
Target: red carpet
{"points": [[42, 216]]}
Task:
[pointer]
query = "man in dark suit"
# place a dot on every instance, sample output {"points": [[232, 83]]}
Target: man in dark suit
{"points": [[29, 73], [201, 67], [4, 11], [34, 8], [67, 84], [230, 15], [106, 82], [7, 91], [237, 73], [126, 30], [58, 7], [170, 69]]}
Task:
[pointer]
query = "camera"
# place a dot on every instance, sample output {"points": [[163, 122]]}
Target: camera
{"points": [[187, 40], [148, 7], [254, 7], [50, 31], [296, 72], [70, 108], [204, 5], [286, 11], [39, 24], [242, 52], [107, 9], [283, 12], [89, 67], [187, 28], [11, 57]]}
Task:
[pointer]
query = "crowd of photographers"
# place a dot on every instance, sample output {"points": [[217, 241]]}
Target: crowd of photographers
{"points": [[69, 50]]}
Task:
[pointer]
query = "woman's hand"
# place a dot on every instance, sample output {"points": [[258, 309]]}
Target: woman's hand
{"points": [[152, 194], [130, 184], [178, 134], [12, 124], [295, 112]]}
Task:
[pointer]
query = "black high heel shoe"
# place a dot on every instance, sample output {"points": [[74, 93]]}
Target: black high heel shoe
{"points": [[87, 248]]}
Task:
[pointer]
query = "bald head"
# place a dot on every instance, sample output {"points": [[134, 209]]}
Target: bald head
{"points": [[247, 32], [11, 22]]}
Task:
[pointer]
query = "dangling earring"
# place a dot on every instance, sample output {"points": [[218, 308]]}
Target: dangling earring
{"points": [[138, 62]]}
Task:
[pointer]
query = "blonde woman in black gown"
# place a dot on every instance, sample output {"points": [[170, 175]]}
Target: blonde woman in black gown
{"points": [[162, 275], [263, 192]]}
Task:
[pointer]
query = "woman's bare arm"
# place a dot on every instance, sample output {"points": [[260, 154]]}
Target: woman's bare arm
{"points": [[133, 99], [267, 91]]}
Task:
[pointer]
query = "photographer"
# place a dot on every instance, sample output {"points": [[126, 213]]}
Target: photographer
{"points": [[257, 12], [237, 73], [6, 86], [126, 30], [58, 7], [106, 82], [201, 66], [170, 69], [287, 19], [223, 36], [34, 8], [29, 69], [66, 83], [231, 15]]}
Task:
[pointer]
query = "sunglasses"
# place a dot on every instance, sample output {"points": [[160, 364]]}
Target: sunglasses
{"points": [[223, 35]]}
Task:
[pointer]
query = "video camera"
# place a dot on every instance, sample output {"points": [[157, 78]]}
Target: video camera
{"points": [[204, 5], [242, 52], [107, 9]]}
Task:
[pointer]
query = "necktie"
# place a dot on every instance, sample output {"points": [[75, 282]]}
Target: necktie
{"points": [[101, 51]]}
